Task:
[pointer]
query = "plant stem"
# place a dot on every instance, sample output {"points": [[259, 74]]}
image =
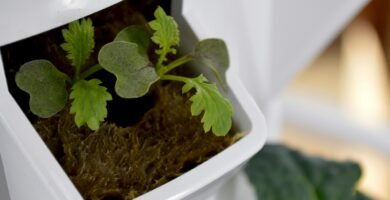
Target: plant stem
{"points": [[174, 78], [77, 74], [90, 71], [176, 63], [160, 61]]}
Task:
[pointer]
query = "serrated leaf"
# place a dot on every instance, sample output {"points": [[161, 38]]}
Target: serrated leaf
{"points": [[46, 86], [214, 54], [132, 70], [137, 35], [217, 110], [89, 103], [79, 42], [166, 33]]}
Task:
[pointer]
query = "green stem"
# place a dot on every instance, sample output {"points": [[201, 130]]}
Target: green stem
{"points": [[77, 74], [176, 63], [174, 78], [90, 71], [160, 61]]}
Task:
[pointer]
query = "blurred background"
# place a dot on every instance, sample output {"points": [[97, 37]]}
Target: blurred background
{"points": [[339, 106]]}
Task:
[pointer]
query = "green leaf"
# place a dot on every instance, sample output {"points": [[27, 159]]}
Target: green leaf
{"points": [[132, 70], [79, 42], [46, 86], [332, 180], [89, 103], [214, 54], [135, 34], [275, 176], [217, 110], [360, 196], [277, 172], [166, 33]]}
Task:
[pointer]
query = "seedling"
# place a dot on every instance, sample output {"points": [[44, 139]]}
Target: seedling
{"points": [[126, 57], [48, 87]]}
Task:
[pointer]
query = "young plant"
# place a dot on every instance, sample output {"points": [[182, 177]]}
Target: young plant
{"points": [[48, 87], [126, 57]]}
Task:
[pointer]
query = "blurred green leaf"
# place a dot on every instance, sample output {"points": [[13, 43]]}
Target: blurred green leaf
{"points": [[332, 180], [277, 172], [360, 196], [276, 176]]}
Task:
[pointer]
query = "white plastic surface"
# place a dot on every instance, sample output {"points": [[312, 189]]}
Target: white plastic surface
{"points": [[237, 188], [301, 29], [3, 182], [23, 18], [245, 26], [33, 173], [274, 39]]}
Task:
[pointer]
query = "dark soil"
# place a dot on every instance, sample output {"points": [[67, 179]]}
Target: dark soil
{"points": [[144, 143]]}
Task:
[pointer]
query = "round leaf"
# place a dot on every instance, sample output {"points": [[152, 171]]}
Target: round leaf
{"points": [[46, 86], [132, 70], [214, 54]]}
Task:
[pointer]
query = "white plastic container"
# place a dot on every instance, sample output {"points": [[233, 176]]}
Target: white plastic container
{"points": [[274, 39], [33, 173]]}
